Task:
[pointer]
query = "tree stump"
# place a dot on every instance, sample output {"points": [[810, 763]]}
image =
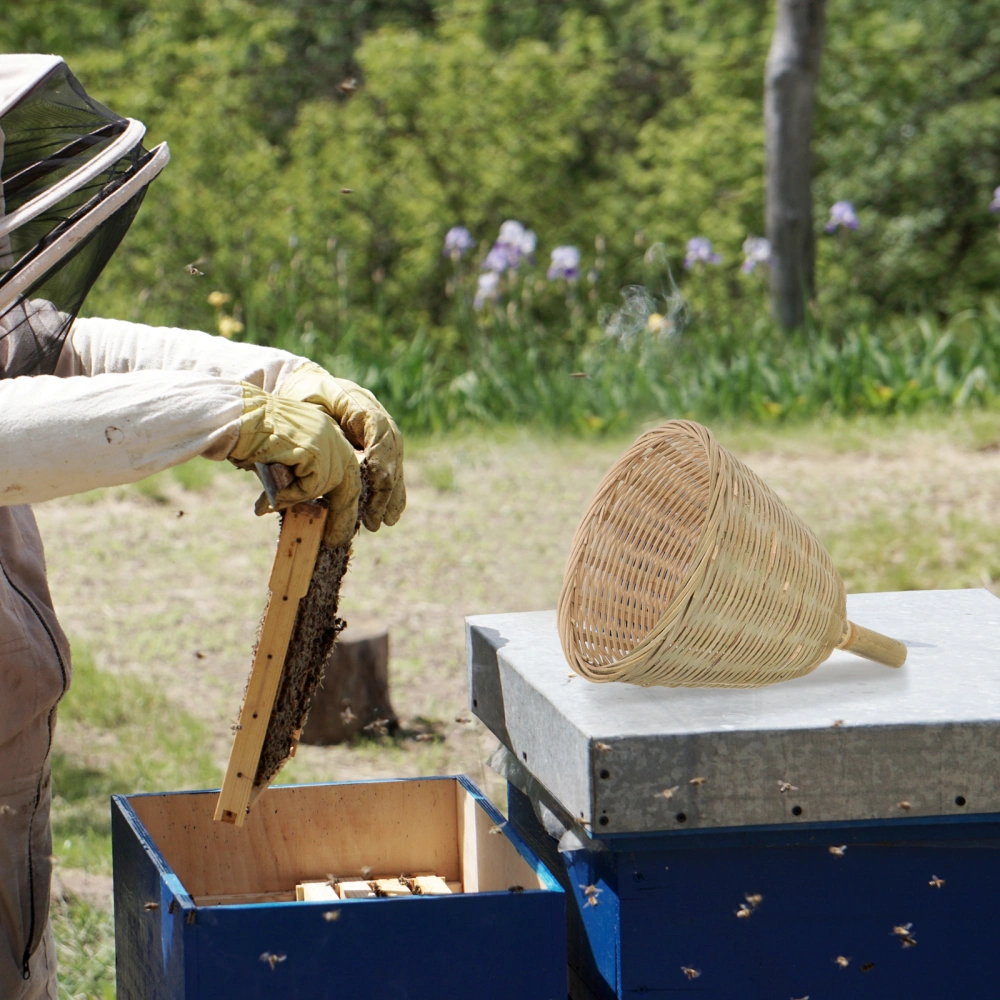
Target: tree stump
{"points": [[354, 695]]}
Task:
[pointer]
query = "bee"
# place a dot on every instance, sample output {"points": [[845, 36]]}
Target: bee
{"points": [[904, 805], [192, 268], [366, 872], [591, 892], [424, 737], [838, 852], [378, 726], [786, 786], [837, 723], [347, 190], [7, 810], [909, 942], [515, 888], [806, 997], [496, 829], [463, 720], [331, 915], [602, 746], [150, 906], [348, 86], [936, 882], [271, 959], [668, 793], [689, 972], [842, 961], [867, 966], [578, 375], [744, 912], [754, 899], [697, 781], [179, 514], [902, 930], [347, 716]]}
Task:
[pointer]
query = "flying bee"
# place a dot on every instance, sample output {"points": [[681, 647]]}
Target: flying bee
{"points": [[271, 959], [424, 737], [591, 892], [838, 852], [578, 375], [689, 972], [904, 805], [150, 906], [602, 746], [842, 961], [902, 930], [936, 882], [867, 966], [366, 872], [378, 726], [495, 830], [463, 720], [786, 786], [331, 915], [744, 912], [668, 793], [193, 269], [754, 899], [697, 781], [347, 716], [348, 86], [515, 888], [909, 942], [7, 810], [837, 723], [347, 190]]}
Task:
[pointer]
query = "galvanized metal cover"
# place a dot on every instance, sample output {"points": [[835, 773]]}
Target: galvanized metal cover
{"points": [[850, 741]]}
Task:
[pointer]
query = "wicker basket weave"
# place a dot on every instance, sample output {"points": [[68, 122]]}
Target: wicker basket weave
{"points": [[688, 571]]}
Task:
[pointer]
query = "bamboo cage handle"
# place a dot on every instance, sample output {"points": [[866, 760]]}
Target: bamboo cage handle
{"points": [[872, 645]]}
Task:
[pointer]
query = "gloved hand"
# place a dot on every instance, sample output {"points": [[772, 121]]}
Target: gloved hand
{"points": [[367, 425], [304, 438]]}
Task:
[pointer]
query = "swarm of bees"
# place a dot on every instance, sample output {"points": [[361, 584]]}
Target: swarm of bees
{"points": [[591, 892], [271, 959], [689, 972]]}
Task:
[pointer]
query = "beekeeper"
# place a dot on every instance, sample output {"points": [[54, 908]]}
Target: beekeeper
{"points": [[74, 175]]}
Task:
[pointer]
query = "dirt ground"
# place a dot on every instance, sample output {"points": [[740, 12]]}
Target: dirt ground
{"points": [[175, 598]]}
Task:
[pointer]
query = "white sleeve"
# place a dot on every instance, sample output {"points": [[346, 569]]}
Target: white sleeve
{"points": [[99, 346], [67, 435]]}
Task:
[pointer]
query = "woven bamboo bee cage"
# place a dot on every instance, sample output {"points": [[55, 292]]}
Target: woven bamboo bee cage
{"points": [[687, 570]]}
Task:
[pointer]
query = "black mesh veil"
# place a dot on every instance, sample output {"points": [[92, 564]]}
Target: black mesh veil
{"points": [[73, 177]]}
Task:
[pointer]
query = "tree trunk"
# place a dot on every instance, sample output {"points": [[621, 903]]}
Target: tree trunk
{"points": [[789, 98]]}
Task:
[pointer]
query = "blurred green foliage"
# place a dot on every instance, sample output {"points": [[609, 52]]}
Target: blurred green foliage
{"points": [[623, 127]]}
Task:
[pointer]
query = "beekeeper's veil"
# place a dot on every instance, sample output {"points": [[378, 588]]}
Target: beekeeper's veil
{"points": [[73, 176]]}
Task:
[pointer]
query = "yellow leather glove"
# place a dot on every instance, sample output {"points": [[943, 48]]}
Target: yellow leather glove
{"points": [[303, 438], [367, 426]]}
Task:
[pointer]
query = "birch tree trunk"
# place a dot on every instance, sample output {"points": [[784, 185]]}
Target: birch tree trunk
{"points": [[789, 99]]}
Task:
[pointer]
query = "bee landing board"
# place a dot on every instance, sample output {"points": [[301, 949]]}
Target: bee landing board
{"points": [[204, 910]]}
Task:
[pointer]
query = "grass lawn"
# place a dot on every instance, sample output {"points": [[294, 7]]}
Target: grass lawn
{"points": [[161, 585]]}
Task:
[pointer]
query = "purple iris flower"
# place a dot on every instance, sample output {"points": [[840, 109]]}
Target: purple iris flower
{"points": [[513, 245], [995, 203], [488, 288], [758, 251], [699, 251], [458, 242], [842, 214], [565, 264]]}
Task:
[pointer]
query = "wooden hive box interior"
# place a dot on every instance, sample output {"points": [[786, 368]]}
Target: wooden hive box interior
{"points": [[305, 833]]}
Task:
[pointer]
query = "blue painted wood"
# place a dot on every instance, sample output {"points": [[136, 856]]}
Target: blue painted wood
{"points": [[677, 895], [492, 946]]}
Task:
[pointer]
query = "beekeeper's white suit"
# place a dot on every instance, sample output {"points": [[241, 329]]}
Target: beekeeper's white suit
{"points": [[73, 176]]}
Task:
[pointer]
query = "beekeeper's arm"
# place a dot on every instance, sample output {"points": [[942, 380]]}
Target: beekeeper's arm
{"points": [[97, 346]]}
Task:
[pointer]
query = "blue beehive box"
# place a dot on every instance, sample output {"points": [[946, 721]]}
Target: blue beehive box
{"points": [[208, 910], [833, 836]]}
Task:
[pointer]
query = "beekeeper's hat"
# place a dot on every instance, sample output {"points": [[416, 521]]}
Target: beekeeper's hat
{"points": [[73, 176]]}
